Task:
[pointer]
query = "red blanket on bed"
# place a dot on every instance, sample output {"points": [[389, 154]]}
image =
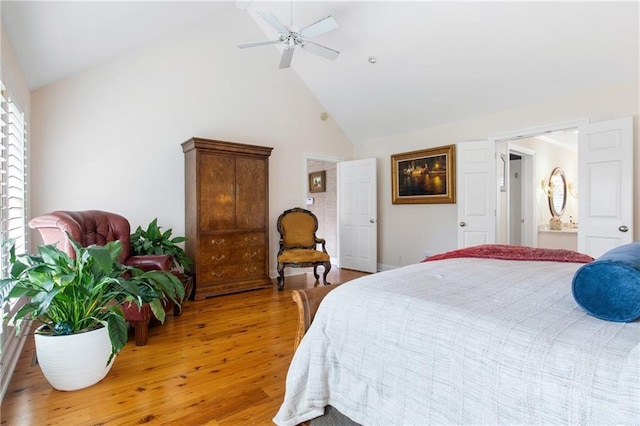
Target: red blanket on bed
{"points": [[506, 252]]}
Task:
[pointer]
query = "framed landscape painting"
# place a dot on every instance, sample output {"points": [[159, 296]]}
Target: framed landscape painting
{"points": [[427, 176]]}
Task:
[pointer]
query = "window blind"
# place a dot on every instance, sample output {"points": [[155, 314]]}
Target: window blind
{"points": [[13, 216]]}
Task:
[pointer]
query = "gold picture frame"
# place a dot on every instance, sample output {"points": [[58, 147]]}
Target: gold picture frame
{"points": [[318, 181], [427, 176]]}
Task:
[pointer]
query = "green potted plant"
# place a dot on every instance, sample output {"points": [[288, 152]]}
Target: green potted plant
{"points": [[155, 241], [76, 299]]}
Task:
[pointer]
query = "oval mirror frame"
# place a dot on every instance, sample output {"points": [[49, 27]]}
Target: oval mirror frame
{"points": [[558, 193]]}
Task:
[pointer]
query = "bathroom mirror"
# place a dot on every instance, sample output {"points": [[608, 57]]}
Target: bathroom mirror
{"points": [[557, 192]]}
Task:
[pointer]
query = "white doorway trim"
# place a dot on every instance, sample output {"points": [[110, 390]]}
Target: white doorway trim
{"points": [[535, 131], [320, 157]]}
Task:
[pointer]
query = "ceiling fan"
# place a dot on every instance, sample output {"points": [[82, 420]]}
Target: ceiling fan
{"points": [[291, 39]]}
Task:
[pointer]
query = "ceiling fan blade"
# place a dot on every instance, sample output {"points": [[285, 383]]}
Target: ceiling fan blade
{"points": [[320, 50], [274, 22], [322, 26], [287, 55], [257, 43]]}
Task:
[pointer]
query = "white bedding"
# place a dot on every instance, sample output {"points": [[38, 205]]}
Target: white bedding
{"points": [[465, 341]]}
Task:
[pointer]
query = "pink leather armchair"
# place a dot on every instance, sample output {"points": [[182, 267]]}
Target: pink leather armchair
{"points": [[100, 227]]}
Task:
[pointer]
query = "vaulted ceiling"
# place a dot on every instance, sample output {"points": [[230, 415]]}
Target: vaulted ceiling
{"points": [[437, 62]]}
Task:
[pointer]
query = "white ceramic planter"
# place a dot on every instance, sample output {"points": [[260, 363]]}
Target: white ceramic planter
{"points": [[75, 361]]}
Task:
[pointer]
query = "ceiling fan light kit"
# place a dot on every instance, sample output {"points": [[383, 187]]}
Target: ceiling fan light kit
{"points": [[291, 39]]}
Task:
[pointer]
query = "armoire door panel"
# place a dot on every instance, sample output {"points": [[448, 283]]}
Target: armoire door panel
{"points": [[250, 193], [217, 192]]}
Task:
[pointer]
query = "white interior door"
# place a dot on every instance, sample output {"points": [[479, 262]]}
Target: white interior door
{"points": [[605, 175], [477, 188], [357, 215]]}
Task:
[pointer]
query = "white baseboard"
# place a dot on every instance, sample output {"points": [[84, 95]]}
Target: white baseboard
{"points": [[383, 267]]}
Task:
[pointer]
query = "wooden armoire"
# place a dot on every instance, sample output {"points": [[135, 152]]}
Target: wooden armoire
{"points": [[227, 215]]}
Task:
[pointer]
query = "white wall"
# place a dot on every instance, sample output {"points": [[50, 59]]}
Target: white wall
{"points": [[109, 137], [408, 231], [12, 76]]}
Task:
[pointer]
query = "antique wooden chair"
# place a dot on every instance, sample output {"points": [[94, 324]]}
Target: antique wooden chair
{"points": [[298, 244]]}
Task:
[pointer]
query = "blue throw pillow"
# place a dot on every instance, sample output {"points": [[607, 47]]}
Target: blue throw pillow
{"points": [[609, 287]]}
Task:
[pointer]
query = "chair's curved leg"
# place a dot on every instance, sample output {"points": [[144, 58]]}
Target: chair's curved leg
{"points": [[327, 268], [315, 272], [280, 276]]}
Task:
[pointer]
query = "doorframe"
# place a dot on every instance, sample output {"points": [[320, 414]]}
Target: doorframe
{"points": [[538, 130], [511, 137]]}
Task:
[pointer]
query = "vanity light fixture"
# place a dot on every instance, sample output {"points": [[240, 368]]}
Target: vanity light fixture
{"points": [[547, 187]]}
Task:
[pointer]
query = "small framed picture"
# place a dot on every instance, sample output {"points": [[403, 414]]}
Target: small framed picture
{"points": [[318, 181]]}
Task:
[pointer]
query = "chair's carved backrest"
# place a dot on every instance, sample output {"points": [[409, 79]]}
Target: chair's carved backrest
{"points": [[297, 228], [86, 227]]}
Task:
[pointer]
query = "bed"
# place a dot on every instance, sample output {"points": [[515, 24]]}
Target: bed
{"points": [[463, 340]]}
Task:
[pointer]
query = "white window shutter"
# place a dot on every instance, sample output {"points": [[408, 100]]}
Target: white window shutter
{"points": [[13, 217]]}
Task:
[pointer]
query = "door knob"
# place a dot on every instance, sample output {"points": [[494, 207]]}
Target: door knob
{"points": [[463, 224], [623, 228], [371, 220]]}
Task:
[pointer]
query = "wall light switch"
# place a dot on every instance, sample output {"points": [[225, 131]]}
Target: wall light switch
{"points": [[310, 201]]}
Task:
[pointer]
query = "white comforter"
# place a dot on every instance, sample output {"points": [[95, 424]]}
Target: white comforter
{"points": [[465, 341]]}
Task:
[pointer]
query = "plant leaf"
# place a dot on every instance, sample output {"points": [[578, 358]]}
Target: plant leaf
{"points": [[102, 257], [157, 309], [117, 327]]}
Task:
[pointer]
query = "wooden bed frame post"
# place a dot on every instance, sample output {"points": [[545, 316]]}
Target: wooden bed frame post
{"points": [[308, 301]]}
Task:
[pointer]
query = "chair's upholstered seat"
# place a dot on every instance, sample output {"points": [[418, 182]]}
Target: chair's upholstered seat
{"points": [[303, 256]]}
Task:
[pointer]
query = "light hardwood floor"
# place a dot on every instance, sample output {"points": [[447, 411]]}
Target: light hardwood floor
{"points": [[223, 362]]}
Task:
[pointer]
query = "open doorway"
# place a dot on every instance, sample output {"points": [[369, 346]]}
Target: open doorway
{"points": [[323, 201], [523, 208]]}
